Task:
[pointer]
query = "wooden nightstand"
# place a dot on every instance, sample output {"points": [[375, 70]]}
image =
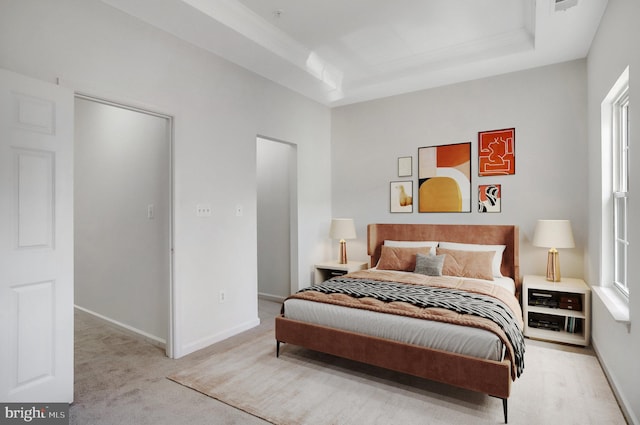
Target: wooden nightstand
{"points": [[329, 269], [557, 311]]}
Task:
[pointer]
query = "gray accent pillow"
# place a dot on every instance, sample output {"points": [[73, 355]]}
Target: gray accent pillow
{"points": [[431, 265]]}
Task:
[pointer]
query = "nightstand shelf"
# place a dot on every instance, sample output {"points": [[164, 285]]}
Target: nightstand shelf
{"points": [[557, 311], [329, 269]]}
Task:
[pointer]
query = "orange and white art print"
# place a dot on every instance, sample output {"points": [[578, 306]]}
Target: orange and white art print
{"points": [[444, 178], [496, 152], [489, 198]]}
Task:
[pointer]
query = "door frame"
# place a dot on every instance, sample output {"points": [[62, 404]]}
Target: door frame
{"points": [[293, 211], [170, 344]]}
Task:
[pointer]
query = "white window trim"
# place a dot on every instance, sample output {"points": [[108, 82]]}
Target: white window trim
{"points": [[616, 301], [620, 185]]}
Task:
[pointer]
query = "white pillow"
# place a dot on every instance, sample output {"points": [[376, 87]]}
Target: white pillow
{"points": [[497, 258], [413, 244]]}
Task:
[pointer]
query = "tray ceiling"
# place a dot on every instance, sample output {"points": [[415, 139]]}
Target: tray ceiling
{"points": [[339, 52]]}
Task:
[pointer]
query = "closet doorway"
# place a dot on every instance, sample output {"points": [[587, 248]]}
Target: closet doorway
{"points": [[277, 214], [122, 207]]}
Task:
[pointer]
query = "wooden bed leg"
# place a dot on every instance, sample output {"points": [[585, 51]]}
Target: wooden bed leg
{"points": [[504, 407], [277, 348]]}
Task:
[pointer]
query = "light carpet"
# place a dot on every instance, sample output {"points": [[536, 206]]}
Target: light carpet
{"points": [[306, 387]]}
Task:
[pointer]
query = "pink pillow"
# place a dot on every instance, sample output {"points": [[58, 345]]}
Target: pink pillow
{"points": [[403, 259], [473, 264]]}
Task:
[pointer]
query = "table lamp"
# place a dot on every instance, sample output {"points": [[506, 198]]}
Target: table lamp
{"points": [[342, 228], [553, 234]]}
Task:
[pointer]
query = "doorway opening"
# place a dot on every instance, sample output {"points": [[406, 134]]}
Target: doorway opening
{"points": [[123, 217], [277, 216]]}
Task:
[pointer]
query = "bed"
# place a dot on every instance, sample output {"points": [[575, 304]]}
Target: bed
{"points": [[353, 317]]}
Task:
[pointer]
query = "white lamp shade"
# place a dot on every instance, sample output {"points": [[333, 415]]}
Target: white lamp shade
{"points": [[342, 228], [553, 234]]}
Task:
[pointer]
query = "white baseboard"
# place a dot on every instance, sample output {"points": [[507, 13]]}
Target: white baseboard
{"points": [[147, 336], [622, 400], [212, 339], [269, 297]]}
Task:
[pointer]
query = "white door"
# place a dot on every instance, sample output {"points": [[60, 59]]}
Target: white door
{"points": [[36, 240]]}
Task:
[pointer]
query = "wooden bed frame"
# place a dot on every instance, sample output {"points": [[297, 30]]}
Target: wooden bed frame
{"points": [[485, 376]]}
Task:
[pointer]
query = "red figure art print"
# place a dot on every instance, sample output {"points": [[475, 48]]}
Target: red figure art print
{"points": [[496, 152]]}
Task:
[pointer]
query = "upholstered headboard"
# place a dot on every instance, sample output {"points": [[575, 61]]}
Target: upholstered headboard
{"points": [[462, 233]]}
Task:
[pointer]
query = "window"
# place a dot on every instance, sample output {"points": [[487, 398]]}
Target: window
{"points": [[620, 192], [615, 185]]}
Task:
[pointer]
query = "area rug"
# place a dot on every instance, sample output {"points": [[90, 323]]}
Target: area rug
{"points": [[305, 387]]}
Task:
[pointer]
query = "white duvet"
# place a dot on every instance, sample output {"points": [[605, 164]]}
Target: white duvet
{"points": [[442, 336]]}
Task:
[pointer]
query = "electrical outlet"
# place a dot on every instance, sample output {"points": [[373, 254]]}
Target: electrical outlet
{"points": [[222, 296], [203, 210]]}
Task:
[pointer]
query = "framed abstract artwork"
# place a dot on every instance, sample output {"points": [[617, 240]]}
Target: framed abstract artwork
{"points": [[405, 166], [401, 197], [496, 152], [489, 198], [444, 178]]}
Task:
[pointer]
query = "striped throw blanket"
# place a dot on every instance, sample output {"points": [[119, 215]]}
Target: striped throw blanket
{"points": [[456, 300]]}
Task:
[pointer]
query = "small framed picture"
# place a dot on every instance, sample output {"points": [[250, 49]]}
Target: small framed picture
{"points": [[405, 166], [401, 197], [496, 152], [489, 198]]}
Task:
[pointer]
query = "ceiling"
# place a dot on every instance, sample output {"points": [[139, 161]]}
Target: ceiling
{"points": [[339, 52]]}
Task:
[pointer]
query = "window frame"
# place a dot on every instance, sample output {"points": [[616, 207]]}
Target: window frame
{"points": [[620, 186]]}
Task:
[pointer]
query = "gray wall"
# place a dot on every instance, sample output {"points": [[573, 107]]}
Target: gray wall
{"points": [[122, 166], [219, 109], [276, 213], [547, 107], [614, 48]]}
